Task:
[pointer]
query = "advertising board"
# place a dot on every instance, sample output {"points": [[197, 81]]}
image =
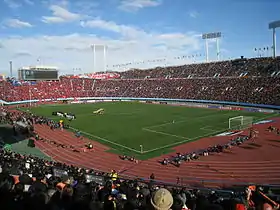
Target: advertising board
{"points": [[226, 107], [184, 102], [91, 101], [213, 107], [76, 102]]}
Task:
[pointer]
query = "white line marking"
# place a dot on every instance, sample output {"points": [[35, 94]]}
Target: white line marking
{"points": [[207, 128], [202, 136], [181, 142], [106, 140], [166, 134], [191, 119], [173, 144]]}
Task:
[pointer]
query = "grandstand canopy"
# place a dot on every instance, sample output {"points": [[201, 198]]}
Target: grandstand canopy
{"points": [[39, 68]]}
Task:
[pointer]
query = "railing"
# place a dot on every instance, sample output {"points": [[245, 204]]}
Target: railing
{"points": [[87, 99]]}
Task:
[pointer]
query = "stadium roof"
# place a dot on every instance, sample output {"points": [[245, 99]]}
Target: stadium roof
{"points": [[38, 68]]}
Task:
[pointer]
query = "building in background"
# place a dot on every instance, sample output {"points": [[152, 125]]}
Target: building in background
{"points": [[2, 77], [35, 73]]}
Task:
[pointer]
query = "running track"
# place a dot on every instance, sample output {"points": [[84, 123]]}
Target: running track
{"points": [[255, 162]]}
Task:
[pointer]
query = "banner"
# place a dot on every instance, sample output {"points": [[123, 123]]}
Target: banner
{"points": [[97, 76], [191, 102], [251, 110], [93, 178], [213, 107], [226, 108], [59, 173], [235, 108]]}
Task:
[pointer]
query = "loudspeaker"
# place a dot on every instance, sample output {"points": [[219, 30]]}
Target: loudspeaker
{"points": [[31, 143]]}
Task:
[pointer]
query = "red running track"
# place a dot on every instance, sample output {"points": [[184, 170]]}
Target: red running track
{"points": [[254, 161]]}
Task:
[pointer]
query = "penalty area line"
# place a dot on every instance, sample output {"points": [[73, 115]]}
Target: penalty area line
{"points": [[185, 141], [166, 134], [192, 119], [207, 128]]}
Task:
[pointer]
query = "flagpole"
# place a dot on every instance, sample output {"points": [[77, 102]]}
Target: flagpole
{"points": [[105, 59]]}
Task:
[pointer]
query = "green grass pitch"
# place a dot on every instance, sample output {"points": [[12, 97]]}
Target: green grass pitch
{"points": [[126, 125]]}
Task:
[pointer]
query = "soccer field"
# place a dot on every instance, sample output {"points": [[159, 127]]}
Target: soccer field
{"points": [[125, 126]]}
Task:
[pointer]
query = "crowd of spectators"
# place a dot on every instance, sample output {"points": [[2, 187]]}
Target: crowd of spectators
{"points": [[28, 182], [245, 80], [179, 158], [230, 68], [274, 130]]}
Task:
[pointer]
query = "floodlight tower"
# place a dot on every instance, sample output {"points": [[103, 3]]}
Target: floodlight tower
{"points": [[105, 47], [94, 56], [95, 49], [11, 68], [273, 25], [206, 37]]}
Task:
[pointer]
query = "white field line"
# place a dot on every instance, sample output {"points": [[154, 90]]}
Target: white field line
{"points": [[189, 120], [166, 134], [169, 145], [263, 118], [91, 114], [106, 140], [108, 113], [125, 113], [181, 142], [207, 128], [198, 137]]}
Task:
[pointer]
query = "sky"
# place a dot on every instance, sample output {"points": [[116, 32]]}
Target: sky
{"points": [[134, 33]]}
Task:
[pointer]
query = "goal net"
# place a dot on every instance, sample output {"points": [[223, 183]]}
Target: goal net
{"points": [[240, 122]]}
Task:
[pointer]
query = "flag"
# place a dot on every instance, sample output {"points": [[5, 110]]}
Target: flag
{"points": [[8, 147]]}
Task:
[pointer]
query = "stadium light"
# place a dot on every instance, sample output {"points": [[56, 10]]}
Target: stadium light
{"points": [[11, 68], [94, 48], [214, 35], [273, 25]]}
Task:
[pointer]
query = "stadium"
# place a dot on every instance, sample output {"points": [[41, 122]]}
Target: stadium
{"points": [[209, 129]]}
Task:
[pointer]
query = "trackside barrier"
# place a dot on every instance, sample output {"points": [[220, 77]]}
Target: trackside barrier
{"points": [[186, 182], [226, 105], [3, 102]]}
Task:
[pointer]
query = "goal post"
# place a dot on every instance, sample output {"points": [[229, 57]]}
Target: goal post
{"points": [[240, 122]]}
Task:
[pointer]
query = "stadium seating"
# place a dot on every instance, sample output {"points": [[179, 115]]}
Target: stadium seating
{"points": [[245, 80], [250, 81]]}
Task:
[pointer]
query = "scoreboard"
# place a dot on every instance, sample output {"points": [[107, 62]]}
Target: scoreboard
{"points": [[38, 73]]}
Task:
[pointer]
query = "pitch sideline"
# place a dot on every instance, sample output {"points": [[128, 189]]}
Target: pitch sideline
{"points": [[106, 140], [198, 137]]}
